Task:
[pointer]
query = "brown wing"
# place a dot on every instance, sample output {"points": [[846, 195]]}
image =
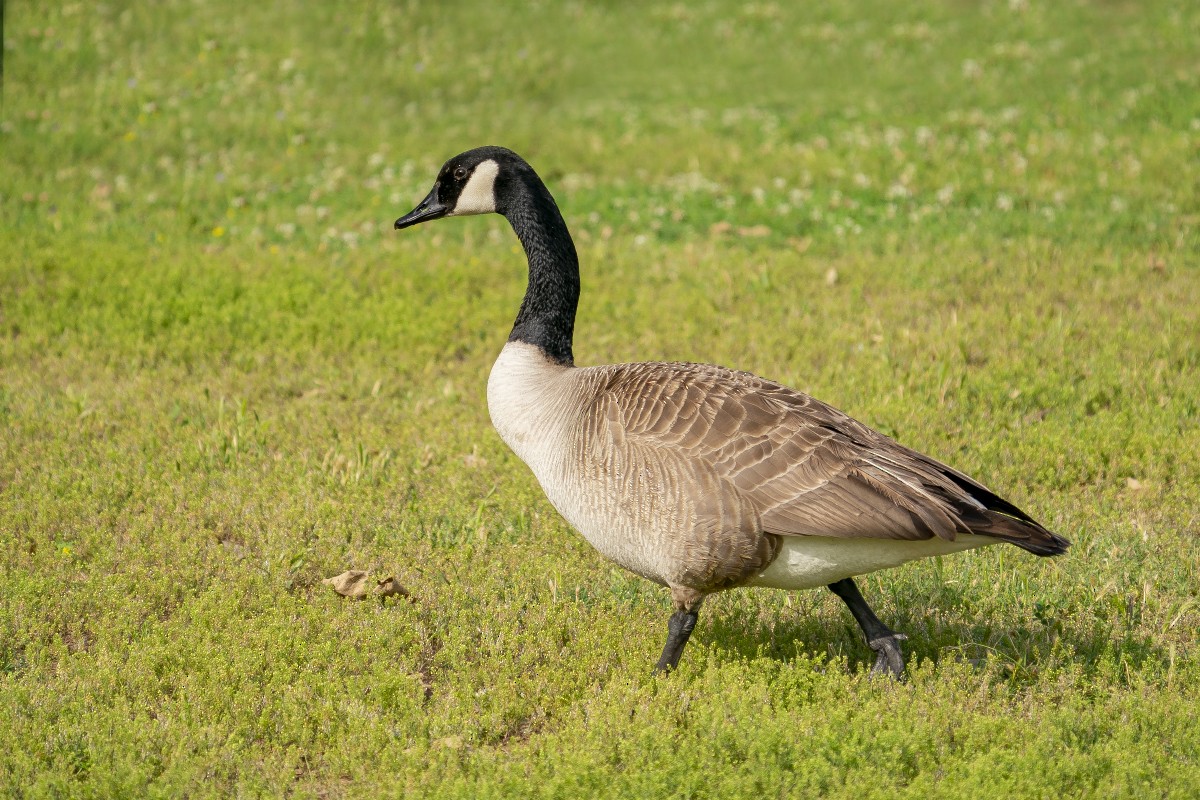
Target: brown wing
{"points": [[806, 467]]}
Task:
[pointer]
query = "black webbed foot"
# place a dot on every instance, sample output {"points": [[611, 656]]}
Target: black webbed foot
{"points": [[890, 661]]}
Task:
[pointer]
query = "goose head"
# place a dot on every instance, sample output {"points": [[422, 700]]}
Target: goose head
{"points": [[473, 182], [495, 180]]}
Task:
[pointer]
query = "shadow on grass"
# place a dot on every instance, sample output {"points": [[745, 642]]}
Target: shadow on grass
{"points": [[1019, 652]]}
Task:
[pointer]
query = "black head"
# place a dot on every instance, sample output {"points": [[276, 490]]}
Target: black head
{"points": [[466, 184]]}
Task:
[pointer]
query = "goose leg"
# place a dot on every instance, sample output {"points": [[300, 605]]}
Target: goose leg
{"points": [[882, 639], [678, 630]]}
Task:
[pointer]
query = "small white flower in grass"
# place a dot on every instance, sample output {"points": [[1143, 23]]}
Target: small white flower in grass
{"points": [[897, 191], [971, 69], [945, 194], [861, 181], [923, 136], [1004, 202], [1117, 205]]}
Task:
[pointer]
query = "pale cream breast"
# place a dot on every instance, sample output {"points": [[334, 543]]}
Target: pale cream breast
{"points": [[532, 403], [538, 408]]}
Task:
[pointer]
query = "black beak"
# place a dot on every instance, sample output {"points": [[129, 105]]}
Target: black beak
{"points": [[429, 208]]}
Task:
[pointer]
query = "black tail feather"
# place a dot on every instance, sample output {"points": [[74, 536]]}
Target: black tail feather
{"points": [[1024, 533]]}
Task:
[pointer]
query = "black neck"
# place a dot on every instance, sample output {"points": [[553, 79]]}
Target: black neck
{"points": [[547, 315]]}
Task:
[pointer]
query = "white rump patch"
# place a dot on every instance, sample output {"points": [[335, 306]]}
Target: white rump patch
{"points": [[806, 562], [479, 195]]}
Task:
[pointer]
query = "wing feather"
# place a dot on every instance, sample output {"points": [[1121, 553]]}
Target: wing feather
{"points": [[805, 467]]}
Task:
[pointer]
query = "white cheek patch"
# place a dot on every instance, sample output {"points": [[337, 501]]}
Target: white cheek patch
{"points": [[478, 196]]}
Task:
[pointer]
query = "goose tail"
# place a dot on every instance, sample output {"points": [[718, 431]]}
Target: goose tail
{"points": [[1024, 533], [989, 514]]}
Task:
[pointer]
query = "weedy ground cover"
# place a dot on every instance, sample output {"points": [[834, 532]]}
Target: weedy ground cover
{"points": [[223, 377]]}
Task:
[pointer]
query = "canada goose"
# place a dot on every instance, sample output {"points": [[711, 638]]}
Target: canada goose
{"points": [[697, 477]]}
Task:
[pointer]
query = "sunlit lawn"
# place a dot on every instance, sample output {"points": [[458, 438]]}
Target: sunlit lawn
{"points": [[223, 377]]}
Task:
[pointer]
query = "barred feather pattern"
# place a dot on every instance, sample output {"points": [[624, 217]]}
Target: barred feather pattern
{"points": [[694, 475]]}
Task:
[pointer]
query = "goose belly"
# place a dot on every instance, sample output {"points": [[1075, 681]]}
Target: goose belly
{"points": [[806, 562], [609, 527]]}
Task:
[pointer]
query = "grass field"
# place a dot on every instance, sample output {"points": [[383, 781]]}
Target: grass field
{"points": [[223, 377]]}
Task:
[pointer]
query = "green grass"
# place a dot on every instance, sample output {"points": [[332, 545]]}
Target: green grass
{"points": [[224, 377]]}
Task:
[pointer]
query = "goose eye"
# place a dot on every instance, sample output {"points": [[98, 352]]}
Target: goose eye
{"points": [[460, 173]]}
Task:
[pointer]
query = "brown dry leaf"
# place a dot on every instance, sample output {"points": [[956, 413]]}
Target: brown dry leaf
{"points": [[390, 587], [352, 584], [718, 228], [357, 584], [831, 276], [756, 231]]}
